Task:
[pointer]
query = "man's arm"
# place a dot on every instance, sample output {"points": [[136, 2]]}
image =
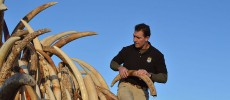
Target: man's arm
{"points": [[114, 65], [122, 70], [160, 78]]}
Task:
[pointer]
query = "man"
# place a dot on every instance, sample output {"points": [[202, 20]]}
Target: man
{"points": [[144, 58]]}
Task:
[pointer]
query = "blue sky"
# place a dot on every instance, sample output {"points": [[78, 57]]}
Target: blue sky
{"points": [[193, 35]]}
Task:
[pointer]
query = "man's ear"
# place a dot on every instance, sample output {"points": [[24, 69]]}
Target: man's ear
{"points": [[147, 38]]}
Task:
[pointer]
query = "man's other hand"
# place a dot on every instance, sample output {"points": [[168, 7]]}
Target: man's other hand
{"points": [[143, 72], [123, 72]]}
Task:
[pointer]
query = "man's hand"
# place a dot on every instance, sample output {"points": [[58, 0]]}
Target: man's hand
{"points": [[143, 72], [123, 72]]}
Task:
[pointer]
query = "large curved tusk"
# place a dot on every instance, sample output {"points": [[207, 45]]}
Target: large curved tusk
{"points": [[2, 6], [145, 78], [51, 50], [67, 80], [36, 42], [68, 95], [15, 52], [20, 33], [72, 37], [48, 58], [46, 39], [77, 74], [94, 71], [48, 89], [49, 40], [32, 14], [6, 31], [107, 92], [12, 84], [90, 87], [93, 77], [54, 79], [33, 68], [6, 48], [76, 84], [2, 9], [24, 66], [32, 93], [101, 96]]}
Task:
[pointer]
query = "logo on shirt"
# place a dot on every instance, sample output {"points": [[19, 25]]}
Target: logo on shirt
{"points": [[149, 59]]}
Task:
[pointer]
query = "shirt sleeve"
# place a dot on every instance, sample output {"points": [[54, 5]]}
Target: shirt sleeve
{"points": [[161, 74], [114, 65], [160, 78], [119, 58]]}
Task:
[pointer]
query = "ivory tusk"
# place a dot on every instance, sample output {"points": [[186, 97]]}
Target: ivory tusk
{"points": [[145, 78], [24, 66], [6, 48], [101, 96], [10, 87], [72, 37], [48, 58], [107, 92], [90, 87], [36, 42], [67, 80], [68, 94], [54, 80], [15, 52], [50, 40], [32, 14], [94, 71], [77, 74], [32, 93], [94, 78], [48, 89]]}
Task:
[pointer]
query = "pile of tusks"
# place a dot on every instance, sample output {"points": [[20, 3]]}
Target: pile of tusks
{"points": [[27, 71]]}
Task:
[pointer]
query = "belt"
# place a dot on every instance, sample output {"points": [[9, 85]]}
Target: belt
{"points": [[137, 86], [140, 87]]}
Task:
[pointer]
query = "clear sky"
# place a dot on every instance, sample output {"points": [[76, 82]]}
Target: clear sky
{"points": [[193, 35]]}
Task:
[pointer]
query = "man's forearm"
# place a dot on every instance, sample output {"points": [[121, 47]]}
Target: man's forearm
{"points": [[114, 65], [160, 78]]}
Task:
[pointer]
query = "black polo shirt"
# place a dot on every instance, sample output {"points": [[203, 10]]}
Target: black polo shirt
{"points": [[151, 60]]}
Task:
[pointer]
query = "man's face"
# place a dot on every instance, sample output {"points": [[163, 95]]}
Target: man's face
{"points": [[139, 40]]}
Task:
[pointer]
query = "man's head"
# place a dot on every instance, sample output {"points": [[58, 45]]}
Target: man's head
{"points": [[141, 36]]}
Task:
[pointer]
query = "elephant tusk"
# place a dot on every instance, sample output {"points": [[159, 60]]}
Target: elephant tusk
{"points": [[15, 52], [68, 95], [54, 79], [72, 37], [36, 42], [48, 58], [77, 74], [101, 96], [94, 71], [32, 14], [145, 78], [107, 92], [51, 50], [67, 80], [20, 33], [90, 87], [49, 40], [93, 77], [11, 86], [32, 93], [48, 89], [6, 31], [6, 48]]}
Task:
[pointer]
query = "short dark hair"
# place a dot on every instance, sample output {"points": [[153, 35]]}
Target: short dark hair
{"points": [[144, 28]]}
